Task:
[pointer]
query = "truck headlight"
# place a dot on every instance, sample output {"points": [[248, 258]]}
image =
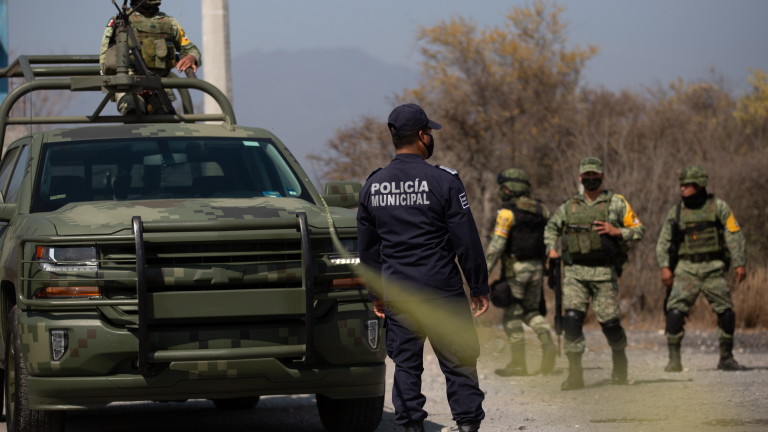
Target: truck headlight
{"points": [[67, 258]]}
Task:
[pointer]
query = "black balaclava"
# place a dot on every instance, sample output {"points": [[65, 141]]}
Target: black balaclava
{"points": [[697, 200]]}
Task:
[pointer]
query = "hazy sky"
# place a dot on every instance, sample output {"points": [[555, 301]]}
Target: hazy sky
{"points": [[643, 42]]}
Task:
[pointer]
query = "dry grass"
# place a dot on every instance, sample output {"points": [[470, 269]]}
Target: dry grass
{"points": [[750, 299]]}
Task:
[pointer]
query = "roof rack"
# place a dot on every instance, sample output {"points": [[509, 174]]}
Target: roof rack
{"points": [[82, 73]]}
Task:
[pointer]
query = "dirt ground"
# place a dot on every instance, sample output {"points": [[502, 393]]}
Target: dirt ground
{"points": [[700, 398]]}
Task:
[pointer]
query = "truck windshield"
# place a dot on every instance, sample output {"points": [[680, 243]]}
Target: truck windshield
{"points": [[151, 169]]}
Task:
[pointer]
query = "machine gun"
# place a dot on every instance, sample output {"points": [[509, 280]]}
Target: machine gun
{"points": [[554, 281], [126, 44]]}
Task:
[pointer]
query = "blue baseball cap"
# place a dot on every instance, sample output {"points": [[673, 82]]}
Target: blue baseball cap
{"points": [[409, 118]]}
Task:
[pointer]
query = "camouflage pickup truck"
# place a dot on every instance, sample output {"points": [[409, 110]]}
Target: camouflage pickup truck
{"points": [[157, 258]]}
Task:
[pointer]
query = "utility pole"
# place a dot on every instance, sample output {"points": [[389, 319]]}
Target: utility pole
{"points": [[216, 60]]}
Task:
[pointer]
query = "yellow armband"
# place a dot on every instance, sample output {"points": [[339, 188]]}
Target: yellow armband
{"points": [[504, 221]]}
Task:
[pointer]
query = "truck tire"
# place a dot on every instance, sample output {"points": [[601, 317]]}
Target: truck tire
{"points": [[19, 418], [350, 415]]}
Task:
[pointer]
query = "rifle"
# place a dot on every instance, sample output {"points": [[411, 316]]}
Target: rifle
{"points": [[554, 281], [158, 97]]}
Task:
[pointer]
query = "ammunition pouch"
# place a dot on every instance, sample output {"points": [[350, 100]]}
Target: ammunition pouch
{"points": [[158, 53]]}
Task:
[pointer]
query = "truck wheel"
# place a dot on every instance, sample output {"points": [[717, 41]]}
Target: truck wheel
{"points": [[19, 418], [350, 415], [244, 403]]}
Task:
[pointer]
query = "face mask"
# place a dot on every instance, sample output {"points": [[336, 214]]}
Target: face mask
{"points": [[431, 146], [591, 184], [696, 200]]}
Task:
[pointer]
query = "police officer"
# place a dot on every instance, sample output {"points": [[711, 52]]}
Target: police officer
{"points": [[701, 233], [160, 37], [595, 228], [518, 238], [414, 220]]}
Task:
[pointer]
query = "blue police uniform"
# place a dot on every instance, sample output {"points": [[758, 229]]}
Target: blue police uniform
{"points": [[414, 220]]}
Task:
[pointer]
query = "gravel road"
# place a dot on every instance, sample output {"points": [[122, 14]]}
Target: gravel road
{"points": [[700, 398]]}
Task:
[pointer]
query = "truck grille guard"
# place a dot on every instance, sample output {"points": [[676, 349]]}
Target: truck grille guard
{"points": [[147, 356]]}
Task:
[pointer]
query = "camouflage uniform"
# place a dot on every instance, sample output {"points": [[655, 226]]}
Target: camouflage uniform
{"points": [[704, 239], [522, 264], [593, 264], [161, 37]]}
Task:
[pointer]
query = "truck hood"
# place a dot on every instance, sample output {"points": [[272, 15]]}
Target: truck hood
{"points": [[109, 217]]}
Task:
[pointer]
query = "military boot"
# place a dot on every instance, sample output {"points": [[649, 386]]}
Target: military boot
{"points": [[575, 380], [727, 362], [413, 427], [619, 373], [517, 365], [548, 353], [674, 365]]}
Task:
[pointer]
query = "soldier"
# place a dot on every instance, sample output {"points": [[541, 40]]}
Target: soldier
{"points": [[518, 238], [596, 227], [414, 221], [160, 37], [700, 234]]}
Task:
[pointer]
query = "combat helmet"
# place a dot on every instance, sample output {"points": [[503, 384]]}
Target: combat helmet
{"points": [[694, 174], [513, 182]]}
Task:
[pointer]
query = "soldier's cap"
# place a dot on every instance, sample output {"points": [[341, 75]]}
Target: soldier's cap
{"points": [[409, 118], [591, 164]]}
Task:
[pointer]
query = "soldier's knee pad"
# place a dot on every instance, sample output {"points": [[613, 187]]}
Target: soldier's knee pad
{"points": [[573, 322], [613, 330], [727, 321], [675, 322]]}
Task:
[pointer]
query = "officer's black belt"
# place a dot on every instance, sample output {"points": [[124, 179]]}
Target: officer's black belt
{"points": [[702, 257]]}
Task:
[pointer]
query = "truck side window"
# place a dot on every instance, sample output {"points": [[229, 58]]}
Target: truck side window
{"points": [[18, 175], [6, 168]]}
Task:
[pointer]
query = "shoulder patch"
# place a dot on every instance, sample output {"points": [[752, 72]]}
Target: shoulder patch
{"points": [[373, 172], [450, 170], [504, 221]]}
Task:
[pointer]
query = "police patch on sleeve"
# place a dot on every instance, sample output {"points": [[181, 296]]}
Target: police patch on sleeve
{"points": [[463, 200], [450, 170]]}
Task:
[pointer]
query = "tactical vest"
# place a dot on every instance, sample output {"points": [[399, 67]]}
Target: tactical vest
{"points": [[701, 233], [526, 238], [155, 35], [583, 243]]}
